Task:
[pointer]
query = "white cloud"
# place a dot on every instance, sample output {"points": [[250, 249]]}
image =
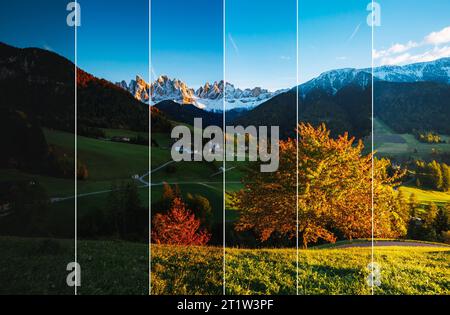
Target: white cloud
{"points": [[430, 55], [285, 58], [396, 60], [441, 37], [400, 48], [395, 49], [341, 58], [404, 53]]}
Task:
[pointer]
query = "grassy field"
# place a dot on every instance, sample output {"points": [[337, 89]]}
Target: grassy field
{"points": [[110, 162], [404, 270], [38, 267], [427, 196], [402, 146], [105, 160]]}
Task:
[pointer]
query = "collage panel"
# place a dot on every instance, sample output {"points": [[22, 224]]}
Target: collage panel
{"points": [[113, 147], [186, 67], [225, 148], [37, 169], [260, 165], [412, 148], [334, 148]]}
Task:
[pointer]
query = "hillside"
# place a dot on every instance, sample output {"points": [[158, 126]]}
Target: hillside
{"points": [[418, 105], [42, 84], [402, 106], [186, 113], [348, 110]]}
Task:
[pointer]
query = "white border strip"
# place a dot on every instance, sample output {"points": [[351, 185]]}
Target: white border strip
{"points": [[224, 142], [76, 147], [372, 148], [150, 100], [297, 138]]}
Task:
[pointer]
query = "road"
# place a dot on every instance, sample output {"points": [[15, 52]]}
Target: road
{"points": [[145, 184]]}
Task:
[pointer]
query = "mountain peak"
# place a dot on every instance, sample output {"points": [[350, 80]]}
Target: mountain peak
{"points": [[334, 80], [208, 96]]}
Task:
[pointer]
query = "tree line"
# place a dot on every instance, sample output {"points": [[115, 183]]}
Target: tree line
{"points": [[432, 175]]}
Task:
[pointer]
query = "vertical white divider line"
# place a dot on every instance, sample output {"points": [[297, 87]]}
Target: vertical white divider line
{"points": [[224, 141], [76, 146], [372, 148], [296, 133], [150, 148]]}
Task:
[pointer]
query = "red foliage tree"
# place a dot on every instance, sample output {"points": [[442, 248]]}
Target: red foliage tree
{"points": [[178, 227]]}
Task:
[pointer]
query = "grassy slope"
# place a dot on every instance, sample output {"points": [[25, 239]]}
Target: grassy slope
{"points": [[389, 143], [405, 270], [427, 196], [110, 267]]}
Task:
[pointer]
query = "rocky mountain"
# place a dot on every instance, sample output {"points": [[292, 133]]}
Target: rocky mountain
{"points": [[208, 97], [334, 80], [433, 71]]}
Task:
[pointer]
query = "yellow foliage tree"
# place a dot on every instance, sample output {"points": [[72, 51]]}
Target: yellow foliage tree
{"points": [[335, 192]]}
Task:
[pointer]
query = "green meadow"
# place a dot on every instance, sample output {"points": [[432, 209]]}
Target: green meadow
{"points": [[402, 146], [115, 267]]}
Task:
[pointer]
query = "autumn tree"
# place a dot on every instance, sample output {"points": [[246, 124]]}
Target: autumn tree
{"points": [[334, 192], [178, 226]]}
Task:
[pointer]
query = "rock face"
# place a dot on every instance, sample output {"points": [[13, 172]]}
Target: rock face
{"points": [[138, 88], [208, 97]]}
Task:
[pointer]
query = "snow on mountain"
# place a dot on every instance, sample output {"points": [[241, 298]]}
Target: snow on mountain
{"points": [[208, 97], [332, 81], [435, 71]]}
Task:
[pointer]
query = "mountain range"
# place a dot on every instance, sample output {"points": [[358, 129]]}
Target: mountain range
{"points": [[332, 81], [405, 97], [208, 97], [41, 84]]}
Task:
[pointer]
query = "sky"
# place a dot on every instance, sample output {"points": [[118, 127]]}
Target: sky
{"points": [[187, 40], [187, 37], [40, 24]]}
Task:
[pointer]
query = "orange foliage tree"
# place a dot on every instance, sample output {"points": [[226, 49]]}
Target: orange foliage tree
{"points": [[334, 192], [178, 227]]}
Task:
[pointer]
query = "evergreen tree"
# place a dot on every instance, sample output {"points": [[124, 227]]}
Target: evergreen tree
{"points": [[441, 221], [413, 205], [445, 177]]}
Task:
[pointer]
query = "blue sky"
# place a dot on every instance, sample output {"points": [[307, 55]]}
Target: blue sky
{"points": [[187, 40], [260, 43], [260, 37], [418, 31], [113, 40], [39, 24], [333, 34]]}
